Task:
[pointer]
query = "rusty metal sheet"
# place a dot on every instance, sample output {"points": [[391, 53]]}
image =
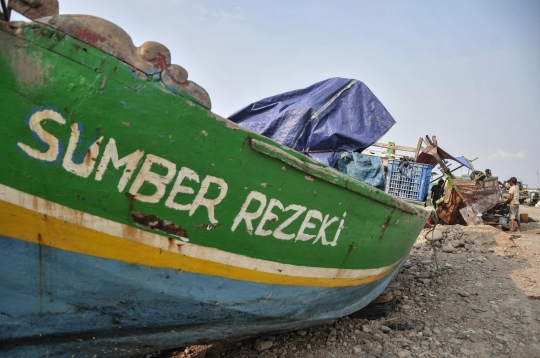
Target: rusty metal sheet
{"points": [[469, 216], [448, 211], [481, 195]]}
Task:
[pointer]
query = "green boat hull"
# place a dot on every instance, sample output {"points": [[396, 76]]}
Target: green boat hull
{"points": [[111, 164]]}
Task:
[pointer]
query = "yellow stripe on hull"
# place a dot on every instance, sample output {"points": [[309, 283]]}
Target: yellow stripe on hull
{"points": [[25, 224], [30, 218]]}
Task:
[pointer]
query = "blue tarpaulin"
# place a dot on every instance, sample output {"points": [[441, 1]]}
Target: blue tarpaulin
{"points": [[366, 168], [331, 116], [465, 162]]}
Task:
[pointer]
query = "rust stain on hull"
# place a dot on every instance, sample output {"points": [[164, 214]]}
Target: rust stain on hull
{"points": [[385, 225], [160, 61], [90, 37]]}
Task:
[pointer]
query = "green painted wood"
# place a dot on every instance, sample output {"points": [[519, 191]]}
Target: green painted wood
{"points": [[43, 68]]}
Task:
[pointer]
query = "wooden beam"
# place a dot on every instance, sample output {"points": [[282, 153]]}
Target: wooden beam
{"points": [[380, 153], [6, 11], [394, 147], [440, 160], [418, 147]]}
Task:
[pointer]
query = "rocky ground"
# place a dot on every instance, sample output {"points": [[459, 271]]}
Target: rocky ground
{"points": [[483, 300]]}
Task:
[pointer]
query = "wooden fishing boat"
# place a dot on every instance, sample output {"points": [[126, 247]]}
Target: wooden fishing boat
{"points": [[133, 219]]}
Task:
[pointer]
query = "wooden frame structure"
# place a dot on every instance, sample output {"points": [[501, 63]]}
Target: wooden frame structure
{"points": [[391, 148]]}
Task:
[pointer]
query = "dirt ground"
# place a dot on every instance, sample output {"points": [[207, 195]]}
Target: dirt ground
{"points": [[482, 301]]}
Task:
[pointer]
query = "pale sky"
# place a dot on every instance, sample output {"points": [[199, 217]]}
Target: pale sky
{"points": [[465, 71]]}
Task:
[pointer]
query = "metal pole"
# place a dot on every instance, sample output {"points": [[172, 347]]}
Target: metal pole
{"points": [[461, 166]]}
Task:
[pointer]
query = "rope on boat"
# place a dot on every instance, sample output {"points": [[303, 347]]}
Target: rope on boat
{"points": [[330, 151], [436, 219]]}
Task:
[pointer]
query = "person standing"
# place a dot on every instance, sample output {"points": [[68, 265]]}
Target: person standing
{"points": [[513, 201], [437, 192]]}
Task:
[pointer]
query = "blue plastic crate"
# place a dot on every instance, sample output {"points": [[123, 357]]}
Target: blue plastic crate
{"points": [[408, 183]]}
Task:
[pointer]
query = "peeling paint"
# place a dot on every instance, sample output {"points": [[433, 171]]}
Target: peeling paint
{"points": [[30, 70], [103, 81], [155, 223], [164, 90], [160, 61], [206, 226], [228, 123]]}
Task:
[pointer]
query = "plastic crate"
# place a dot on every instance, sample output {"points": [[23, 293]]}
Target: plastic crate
{"points": [[409, 183]]}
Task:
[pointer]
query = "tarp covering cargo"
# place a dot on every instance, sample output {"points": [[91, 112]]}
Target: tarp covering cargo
{"points": [[331, 116], [366, 168]]}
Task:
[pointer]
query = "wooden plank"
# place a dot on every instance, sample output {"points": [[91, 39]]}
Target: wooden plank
{"points": [[382, 154], [34, 9]]}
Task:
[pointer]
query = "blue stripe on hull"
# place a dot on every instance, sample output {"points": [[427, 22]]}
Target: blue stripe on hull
{"points": [[58, 301]]}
